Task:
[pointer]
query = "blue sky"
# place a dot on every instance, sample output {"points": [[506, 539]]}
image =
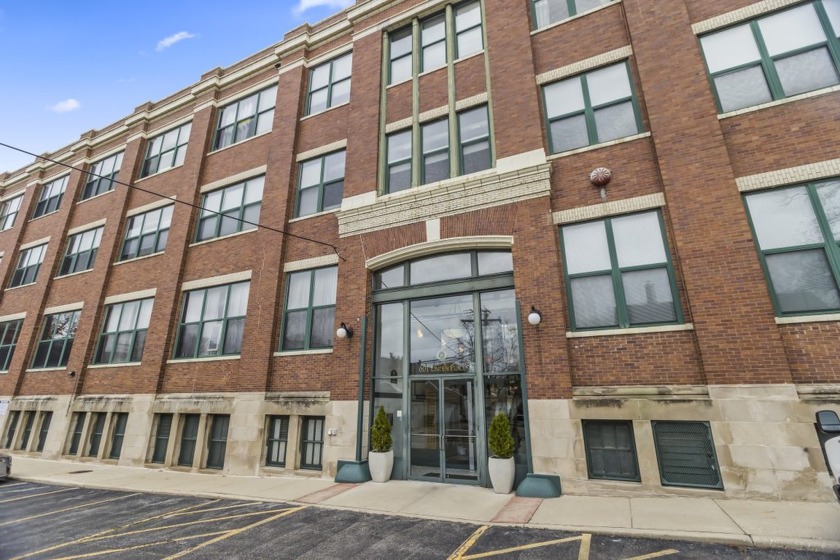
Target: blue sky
{"points": [[68, 67]]}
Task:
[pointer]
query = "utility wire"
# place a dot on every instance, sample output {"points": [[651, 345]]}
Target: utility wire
{"points": [[184, 202]]}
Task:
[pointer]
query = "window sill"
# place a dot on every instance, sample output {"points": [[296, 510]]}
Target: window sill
{"points": [[21, 286], [47, 214], [238, 143], [207, 359], [469, 56], [36, 370], [100, 195], [631, 331], [228, 236], [159, 173], [327, 110], [303, 352], [786, 100], [73, 274], [822, 318], [114, 365], [598, 146], [138, 258], [315, 215], [574, 17]]}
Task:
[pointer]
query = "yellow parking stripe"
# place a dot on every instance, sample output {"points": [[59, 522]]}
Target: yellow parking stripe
{"points": [[234, 533], [526, 547], [187, 524], [112, 530], [21, 520], [585, 544], [36, 495], [659, 554], [137, 546], [176, 514], [465, 546]]}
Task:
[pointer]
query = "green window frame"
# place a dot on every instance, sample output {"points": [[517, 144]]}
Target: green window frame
{"points": [[57, 335], [101, 176], [320, 184], [123, 334], [166, 150], [277, 440], [96, 431], [434, 138], [312, 443], [46, 420], [245, 118], [146, 233], [212, 321], [547, 12], [619, 273], [797, 235], [28, 265], [309, 309], [474, 146], [189, 437], [49, 200], [161, 442], [433, 53], [81, 251], [399, 161], [591, 108], [778, 55], [76, 434], [28, 422], [460, 28], [217, 441], [329, 84], [611, 450], [11, 428], [9, 211], [9, 333], [120, 420], [400, 52], [230, 210], [469, 37]]}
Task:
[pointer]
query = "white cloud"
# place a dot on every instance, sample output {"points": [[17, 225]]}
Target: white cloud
{"points": [[64, 106], [304, 5], [167, 42]]}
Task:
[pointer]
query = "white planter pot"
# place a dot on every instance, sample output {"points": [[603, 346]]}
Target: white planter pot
{"points": [[502, 472], [380, 465]]}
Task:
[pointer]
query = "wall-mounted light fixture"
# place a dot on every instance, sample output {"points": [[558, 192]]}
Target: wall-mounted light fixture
{"points": [[344, 331], [71, 374], [534, 317]]}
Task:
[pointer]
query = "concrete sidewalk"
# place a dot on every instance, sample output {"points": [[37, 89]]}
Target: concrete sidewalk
{"points": [[798, 525]]}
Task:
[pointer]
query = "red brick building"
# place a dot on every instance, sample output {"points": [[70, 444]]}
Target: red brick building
{"points": [[653, 184]]}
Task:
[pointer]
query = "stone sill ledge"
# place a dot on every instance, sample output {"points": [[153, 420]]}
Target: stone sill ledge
{"points": [[657, 392]]}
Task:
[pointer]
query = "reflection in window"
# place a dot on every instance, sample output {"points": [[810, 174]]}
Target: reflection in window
{"points": [[442, 335], [309, 314], [798, 234], [212, 321]]}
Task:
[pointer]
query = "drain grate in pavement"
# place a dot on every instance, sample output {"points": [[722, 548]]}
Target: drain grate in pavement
{"points": [[79, 472]]}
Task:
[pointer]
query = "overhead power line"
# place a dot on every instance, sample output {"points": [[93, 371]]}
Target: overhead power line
{"points": [[184, 202]]}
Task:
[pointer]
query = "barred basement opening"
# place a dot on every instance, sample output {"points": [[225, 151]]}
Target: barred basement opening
{"points": [[610, 450]]}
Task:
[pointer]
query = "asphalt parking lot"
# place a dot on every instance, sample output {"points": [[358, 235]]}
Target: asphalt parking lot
{"points": [[41, 521]]}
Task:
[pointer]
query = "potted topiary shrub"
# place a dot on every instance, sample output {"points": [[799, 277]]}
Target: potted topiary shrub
{"points": [[500, 464], [381, 456]]}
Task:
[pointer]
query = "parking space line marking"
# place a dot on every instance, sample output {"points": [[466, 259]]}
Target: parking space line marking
{"points": [[36, 495], [111, 530], [529, 547], [585, 545], [186, 524], [235, 532], [465, 546], [137, 546], [659, 554], [176, 514], [67, 509]]}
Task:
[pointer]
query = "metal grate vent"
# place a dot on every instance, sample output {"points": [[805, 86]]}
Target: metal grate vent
{"points": [[686, 454], [610, 450]]}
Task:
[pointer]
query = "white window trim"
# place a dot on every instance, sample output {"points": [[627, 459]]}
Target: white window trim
{"points": [[35, 243], [631, 331], [320, 151], [207, 359], [216, 280], [576, 16], [606, 209], [12, 317], [823, 318], [131, 296], [789, 176], [309, 264], [234, 179], [85, 227], [150, 255], [303, 352], [151, 206], [616, 55], [212, 239]]}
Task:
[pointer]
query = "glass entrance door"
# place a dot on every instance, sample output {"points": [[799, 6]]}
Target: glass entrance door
{"points": [[443, 430]]}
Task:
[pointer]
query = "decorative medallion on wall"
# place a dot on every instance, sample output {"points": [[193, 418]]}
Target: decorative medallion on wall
{"points": [[600, 176]]}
